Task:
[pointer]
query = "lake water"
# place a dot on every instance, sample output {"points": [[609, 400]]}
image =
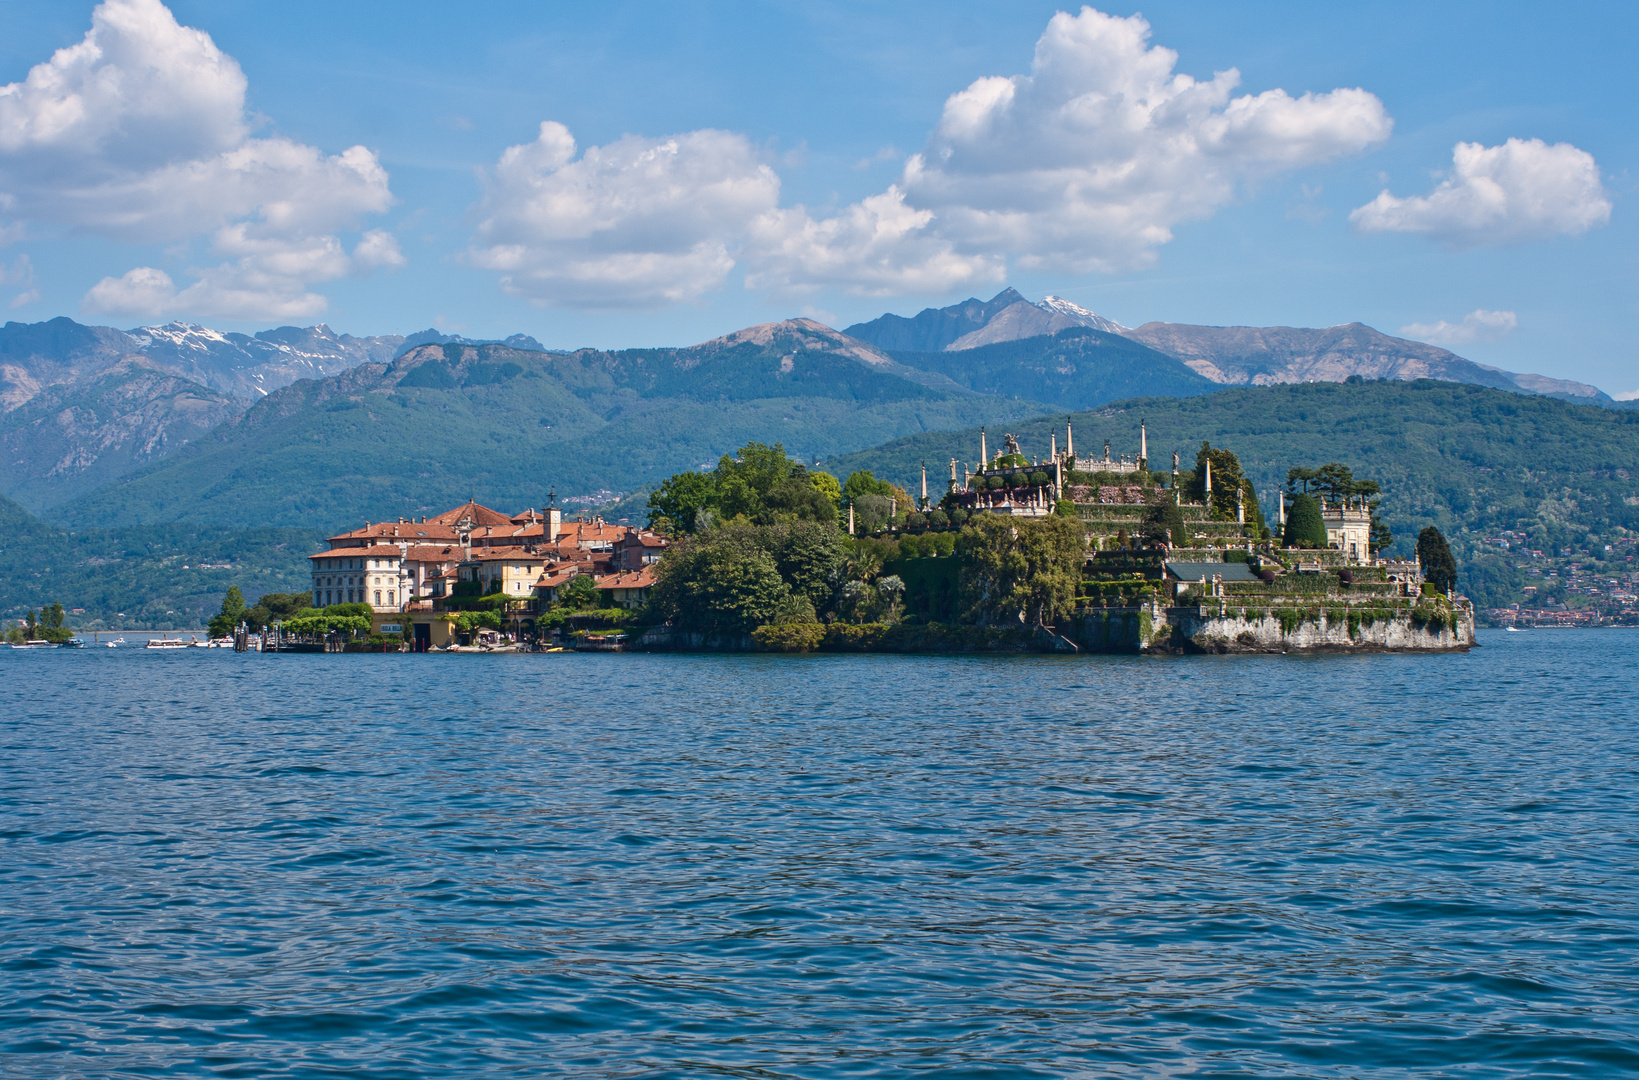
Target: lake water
{"points": [[764, 866]]}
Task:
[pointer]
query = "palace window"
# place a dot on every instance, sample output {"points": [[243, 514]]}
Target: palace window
{"points": [[378, 597], [392, 598]]}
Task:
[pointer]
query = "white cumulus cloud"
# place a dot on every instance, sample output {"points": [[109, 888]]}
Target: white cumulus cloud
{"points": [[139, 133], [639, 222], [879, 246], [1478, 325], [1087, 163], [1091, 160], [1523, 189]]}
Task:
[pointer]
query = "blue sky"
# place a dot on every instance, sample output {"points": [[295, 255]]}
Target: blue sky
{"points": [[711, 166]]}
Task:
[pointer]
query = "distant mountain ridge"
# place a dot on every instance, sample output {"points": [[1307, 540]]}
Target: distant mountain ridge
{"points": [[1007, 316], [442, 420], [1075, 368], [1264, 356], [80, 405], [1227, 355]]}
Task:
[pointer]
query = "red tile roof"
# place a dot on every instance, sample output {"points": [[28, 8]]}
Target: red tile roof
{"points": [[397, 530], [631, 579], [358, 552], [476, 513]]}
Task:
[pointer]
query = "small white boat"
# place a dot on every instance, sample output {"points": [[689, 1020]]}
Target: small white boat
{"points": [[166, 643], [116, 642], [31, 645], [1517, 630]]}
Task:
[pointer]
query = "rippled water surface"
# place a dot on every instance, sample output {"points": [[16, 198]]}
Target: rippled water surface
{"points": [[417, 866]]}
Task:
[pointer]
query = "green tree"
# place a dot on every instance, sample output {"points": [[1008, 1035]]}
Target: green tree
{"points": [[827, 485], [1382, 537], [1064, 508], [681, 497], [581, 594], [276, 608], [1227, 482], [51, 626], [1298, 475], [1304, 526], [892, 590], [1020, 569], [871, 512], [1164, 525], [758, 465], [796, 498], [808, 556], [233, 609], [1439, 568], [721, 581], [862, 483], [1335, 480]]}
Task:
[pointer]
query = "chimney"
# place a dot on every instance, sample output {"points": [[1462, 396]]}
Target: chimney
{"points": [[984, 458], [1143, 446]]}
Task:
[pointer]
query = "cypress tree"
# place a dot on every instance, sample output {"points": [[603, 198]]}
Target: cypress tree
{"points": [[1304, 527], [1439, 568]]}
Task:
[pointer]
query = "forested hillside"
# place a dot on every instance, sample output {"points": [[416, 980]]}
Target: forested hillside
{"points": [[443, 422], [156, 576], [1471, 460]]}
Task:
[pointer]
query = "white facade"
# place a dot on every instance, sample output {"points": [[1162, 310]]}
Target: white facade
{"points": [[1349, 530], [373, 575]]}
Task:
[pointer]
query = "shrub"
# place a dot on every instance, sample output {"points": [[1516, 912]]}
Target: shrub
{"points": [[1304, 526], [843, 637], [790, 637]]}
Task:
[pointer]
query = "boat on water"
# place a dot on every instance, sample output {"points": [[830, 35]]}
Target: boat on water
{"points": [[71, 643], [115, 643], [166, 643], [1517, 630], [32, 645]]}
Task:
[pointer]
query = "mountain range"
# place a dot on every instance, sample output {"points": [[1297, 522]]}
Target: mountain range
{"points": [[442, 422], [1226, 355], [179, 421]]}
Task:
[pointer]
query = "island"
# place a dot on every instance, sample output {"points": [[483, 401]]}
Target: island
{"points": [[1058, 552]]}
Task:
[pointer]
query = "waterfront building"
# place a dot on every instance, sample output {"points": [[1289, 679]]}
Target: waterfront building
{"points": [[415, 565]]}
